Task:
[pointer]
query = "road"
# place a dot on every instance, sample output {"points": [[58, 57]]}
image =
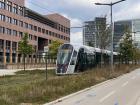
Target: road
{"points": [[124, 90]]}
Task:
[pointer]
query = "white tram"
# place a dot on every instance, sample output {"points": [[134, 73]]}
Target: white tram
{"points": [[73, 58]]}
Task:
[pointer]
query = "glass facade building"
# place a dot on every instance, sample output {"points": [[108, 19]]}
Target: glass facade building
{"points": [[91, 29], [119, 30]]}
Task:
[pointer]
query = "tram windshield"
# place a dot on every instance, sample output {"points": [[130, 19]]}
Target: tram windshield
{"points": [[64, 54]]}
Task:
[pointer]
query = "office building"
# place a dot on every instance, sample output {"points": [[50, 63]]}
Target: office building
{"points": [[119, 29], [91, 30], [16, 19]]}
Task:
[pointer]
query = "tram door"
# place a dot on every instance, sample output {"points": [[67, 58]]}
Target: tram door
{"points": [[81, 60], [72, 65]]}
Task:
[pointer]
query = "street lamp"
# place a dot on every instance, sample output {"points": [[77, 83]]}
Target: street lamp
{"points": [[111, 4]]}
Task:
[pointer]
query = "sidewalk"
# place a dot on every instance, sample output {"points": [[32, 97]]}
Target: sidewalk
{"points": [[12, 71]]}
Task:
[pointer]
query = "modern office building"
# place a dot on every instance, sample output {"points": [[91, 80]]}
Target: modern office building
{"points": [[89, 33], [119, 30], [91, 29], [16, 19]]}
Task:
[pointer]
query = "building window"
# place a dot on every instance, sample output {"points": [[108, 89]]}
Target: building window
{"points": [[8, 19], [26, 25], [53, 34], [46, 31], [50, 33], [35, 28], [14, 44], [68, 30], [9, 6], [21, 23], [64, 38], [64, 29], [2, 4], [8, 31], [50, 41], [2, 17], [30, 37], [43, 31], [61, 36], [39, 29], [59, 27], [14, 32], [15, 8], [20, 34], [1, 45], [15, 21], [2, 30], [30, 27], [35, 37], [21, 10], [8, 48]]}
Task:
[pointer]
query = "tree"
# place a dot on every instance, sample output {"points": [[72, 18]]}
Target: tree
{"points": [[24, 47], [127, 47], [53, 48], [103, 36]]}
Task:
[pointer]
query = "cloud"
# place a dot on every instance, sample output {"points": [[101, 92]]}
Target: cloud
{"points": [[75, 22], [76, 38], [79, 11], [128, 13], [76, 34]]}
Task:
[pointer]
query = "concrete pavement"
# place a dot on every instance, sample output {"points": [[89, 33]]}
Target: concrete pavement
{"points": [[124, 90]]}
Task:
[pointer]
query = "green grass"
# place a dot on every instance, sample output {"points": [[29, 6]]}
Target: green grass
{"points": [[32, 87]]}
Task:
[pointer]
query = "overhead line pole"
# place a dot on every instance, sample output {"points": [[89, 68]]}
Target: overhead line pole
{"points": [[112, 30]]}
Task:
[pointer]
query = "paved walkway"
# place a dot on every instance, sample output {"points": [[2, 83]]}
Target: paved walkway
{"points": [[124, 90], [12, 71]]}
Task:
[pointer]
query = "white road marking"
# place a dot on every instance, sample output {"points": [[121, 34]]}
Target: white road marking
{"points": [[123, 85], [133, 77], [107, 96]]}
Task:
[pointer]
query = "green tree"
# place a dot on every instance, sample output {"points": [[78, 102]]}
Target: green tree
{"points": [[24, 47], [127, 47], [53, 48]]}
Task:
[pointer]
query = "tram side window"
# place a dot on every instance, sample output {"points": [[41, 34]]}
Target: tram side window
{"points": [[73, 60]]}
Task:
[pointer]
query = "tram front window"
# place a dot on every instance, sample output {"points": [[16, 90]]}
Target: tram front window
{"points": [[63, 58]]}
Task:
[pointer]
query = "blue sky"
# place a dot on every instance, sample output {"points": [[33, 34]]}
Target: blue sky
{"points": [[79, 11]]}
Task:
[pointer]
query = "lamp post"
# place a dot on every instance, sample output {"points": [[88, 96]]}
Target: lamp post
{"points": [[112, 30]]}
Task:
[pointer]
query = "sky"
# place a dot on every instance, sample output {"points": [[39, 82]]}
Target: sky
{"points": [[79, 11]]}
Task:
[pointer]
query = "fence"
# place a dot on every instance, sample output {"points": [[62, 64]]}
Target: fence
{"points": [[31, 61]]}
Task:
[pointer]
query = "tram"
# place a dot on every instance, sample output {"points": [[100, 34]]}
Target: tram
{"points": [[73, 58]]}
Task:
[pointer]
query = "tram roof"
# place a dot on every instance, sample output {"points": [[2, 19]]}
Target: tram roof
{"points": [[89, 49]]}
